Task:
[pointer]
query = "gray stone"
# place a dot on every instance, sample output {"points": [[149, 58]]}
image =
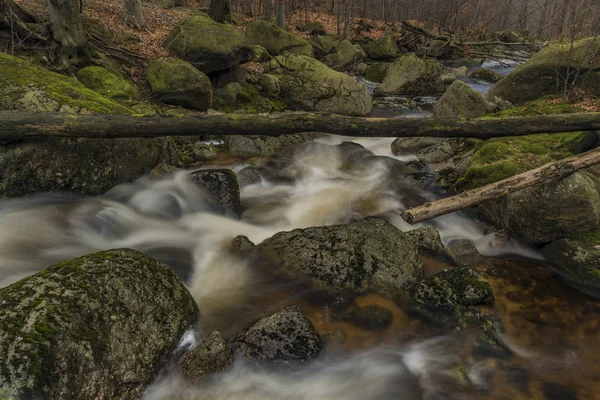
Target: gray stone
{"points": [[248, 176], [409, 75], [460, 101], [270, 86], [209, 355], [221, 188], [464, 253], [430, 150], [276, 40]]}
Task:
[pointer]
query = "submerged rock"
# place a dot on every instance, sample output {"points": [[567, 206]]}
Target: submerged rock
{"points": [[307, 84], [286, 335], [178, 83], [208, 45], [99, 326], [409, 75], [210, 355], [578, 262], [362, 256], [222, 189], [460, 101], [370, 318], [454, 287], [276, 40], [248, 176]]}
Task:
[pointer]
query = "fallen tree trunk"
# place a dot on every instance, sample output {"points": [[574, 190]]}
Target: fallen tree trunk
{"points": [[21, 125], [548, 172]]}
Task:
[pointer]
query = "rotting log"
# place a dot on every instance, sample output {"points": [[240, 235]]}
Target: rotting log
{"points": [[21, 125], [549, 172]]}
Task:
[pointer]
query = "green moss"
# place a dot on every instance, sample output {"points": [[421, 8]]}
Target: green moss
{"points": [[250, 100], [107, 83], [500, 158], [592, 236], [543, 106], [21, 81]]}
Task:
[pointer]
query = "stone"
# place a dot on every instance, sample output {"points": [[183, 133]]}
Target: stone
{"points": [[430, 150], [578, 262], [178, 83], [286, 336], [452, 287], [275, 40], [241, 245], [208, 356], [270, 86], [229, 92], [327, 43], [382, 49], [411, 76], [377, 72], [107, 83], [254, 146], [464, 253], [348, 55], [208, 45], [363, 256], [313, 28], [248, 176], [428, 242], [221, 189], [361, 69], [307, 84], [486, 74], [99, 326], [538, 76], [261, 54], [460, 101]]}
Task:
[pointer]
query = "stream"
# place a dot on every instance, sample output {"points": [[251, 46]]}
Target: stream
{"points": [[551, 329]]}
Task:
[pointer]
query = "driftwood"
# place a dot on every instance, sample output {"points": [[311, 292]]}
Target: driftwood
{"points": [[548, 172], [21, 125]]}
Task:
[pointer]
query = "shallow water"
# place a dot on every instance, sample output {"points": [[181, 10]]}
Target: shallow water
{"points": [[552, 329]]}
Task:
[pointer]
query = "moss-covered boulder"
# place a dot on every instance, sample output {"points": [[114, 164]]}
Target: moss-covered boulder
{"points": [[26, 87], [307, 84], [363, 256], [276, 40], [178, 83], [382, 49], [107, 83], [313, 28], [460, 101], [286, 335], [578, 262], [486, 74], [409, 75], [538, 76], [208, 45], [327, 43], [376, 72], [348, 55], [100, 326], [236, 98], [453, 288]]}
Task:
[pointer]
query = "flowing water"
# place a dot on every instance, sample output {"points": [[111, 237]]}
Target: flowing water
{"points": [[551, 329]]}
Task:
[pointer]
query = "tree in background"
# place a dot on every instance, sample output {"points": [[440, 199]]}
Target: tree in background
{"points": [[133, 14], [220, 10]]}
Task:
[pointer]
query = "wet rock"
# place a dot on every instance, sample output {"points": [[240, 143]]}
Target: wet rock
{"points": [[221, 188], [412, 76], [489, 342], [371, 318], [208, 45], [452, 287], [241, 244], [542, 274], [377, 71], [248, 176], [382, 49], [210, 355], [286, 335], [367, 255], [430, 150], [450, 75], [461, 101], [276, 40], [428, 242], [348, 55], [198, 151], [464, 253], [307, 84], [107, 83], [486, 74], [255, 146], [361, 69], [578, 262], [99, 326], [556, 391]]}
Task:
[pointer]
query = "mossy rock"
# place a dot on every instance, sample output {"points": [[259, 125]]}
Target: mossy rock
{"points": [[107, 83], [376, 72], [328, 43], [235, 98], [538, 76], [349, 55], [486, 74], [409, 75], [26, 87], [178, 83], [116, 315], [460, 101], [276, 40], [313, 28], [307, 84], [208, 45], [382, 49], [254, 146]]}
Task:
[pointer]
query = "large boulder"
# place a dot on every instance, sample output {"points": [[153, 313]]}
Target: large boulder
{"points": [[382, 49], [376, 72], [100, 326], [208, 45], [348, 55], [307, 84], [177, 82], [107, 83], [286, 335], [327, 43], [538, 214], [362, 256], [578, 262], [221, 188], [276, 40], [460, 101], [538, 76], [409, 75], [209, 355]]}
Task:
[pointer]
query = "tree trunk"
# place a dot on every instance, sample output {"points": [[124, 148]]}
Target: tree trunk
{"points": [[19, 24], [268, 10], [68, 31], [280, 11], [548, 172], [20, 125], [133, 14], [220, 10]]}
